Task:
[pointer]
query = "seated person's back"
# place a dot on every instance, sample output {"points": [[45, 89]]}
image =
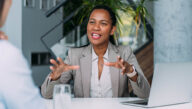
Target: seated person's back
{"points": [[17, 90], [16, 85]]}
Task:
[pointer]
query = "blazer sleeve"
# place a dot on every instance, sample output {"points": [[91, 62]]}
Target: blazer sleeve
{"points": [[141, 88], [48, 85]]}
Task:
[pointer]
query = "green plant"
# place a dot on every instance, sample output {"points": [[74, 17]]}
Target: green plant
{"points": [[141, 13]]}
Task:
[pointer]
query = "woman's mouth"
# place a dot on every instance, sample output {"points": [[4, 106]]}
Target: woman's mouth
{"points": [[95, 36]]}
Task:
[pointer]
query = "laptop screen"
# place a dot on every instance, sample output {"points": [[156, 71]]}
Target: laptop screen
{"points": [[171, 84]]}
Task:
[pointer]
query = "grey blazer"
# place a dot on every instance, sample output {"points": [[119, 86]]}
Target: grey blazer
{"points": [[82, 77]]}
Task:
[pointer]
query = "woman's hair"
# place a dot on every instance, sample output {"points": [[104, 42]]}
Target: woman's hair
{"points": [[109, 10], [1, 6]]}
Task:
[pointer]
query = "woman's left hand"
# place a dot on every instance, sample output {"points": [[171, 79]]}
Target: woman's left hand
{"points": [[121, 64], [3, 36]]}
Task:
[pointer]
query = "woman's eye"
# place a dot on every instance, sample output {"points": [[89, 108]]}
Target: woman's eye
{"points": [[91, 22], [104, 24]]}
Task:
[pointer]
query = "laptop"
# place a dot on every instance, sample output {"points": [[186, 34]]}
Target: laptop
{"points": [[171, 84]]}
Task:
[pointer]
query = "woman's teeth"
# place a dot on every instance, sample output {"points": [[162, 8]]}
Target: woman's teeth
{"points": [[96, 36]]}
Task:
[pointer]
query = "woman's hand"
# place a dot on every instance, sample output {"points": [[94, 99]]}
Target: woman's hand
{"points": [[3, 36], [121, 64], [124, 66], [59, 67]]}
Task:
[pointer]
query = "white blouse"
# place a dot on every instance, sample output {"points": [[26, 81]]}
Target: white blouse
{"points": [[100, 88]]}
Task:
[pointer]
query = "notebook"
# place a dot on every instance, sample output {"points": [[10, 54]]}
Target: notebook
{"points": [[171, 84]]}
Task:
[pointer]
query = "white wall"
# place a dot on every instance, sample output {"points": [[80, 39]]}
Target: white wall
{"points": [[172, 31]]}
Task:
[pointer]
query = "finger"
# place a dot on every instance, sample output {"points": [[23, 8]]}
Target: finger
{"points": [[52, 61], [60, 60], [123, 71], [121, 64], [51, 76], [52, 68], [3, 37], [111, 64], [118, 58], [72, 67], [2, 33]]}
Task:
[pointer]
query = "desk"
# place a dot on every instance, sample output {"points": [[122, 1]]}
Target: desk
{"points": [[110, 103]]}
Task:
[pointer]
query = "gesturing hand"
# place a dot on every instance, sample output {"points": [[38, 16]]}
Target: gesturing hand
{"points": [[3, 36], [59, 67], [121, 64]]}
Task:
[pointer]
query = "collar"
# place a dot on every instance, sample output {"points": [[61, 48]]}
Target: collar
{"points": [[94, 56], [87, 51]]}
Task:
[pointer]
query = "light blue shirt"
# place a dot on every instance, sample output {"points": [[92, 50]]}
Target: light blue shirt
{"points": [[17, 90]]}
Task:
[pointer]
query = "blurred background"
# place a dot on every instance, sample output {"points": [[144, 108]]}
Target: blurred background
{"points": [[162, 33]]}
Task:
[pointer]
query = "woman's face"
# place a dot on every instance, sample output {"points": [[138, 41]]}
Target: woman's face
{"points": [[99, 27], [5, 11]]}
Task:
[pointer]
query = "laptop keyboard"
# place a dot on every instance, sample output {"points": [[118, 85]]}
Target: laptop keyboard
{"points": [[140, 102]]}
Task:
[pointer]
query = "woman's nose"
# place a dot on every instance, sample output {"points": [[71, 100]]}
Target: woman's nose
{"points": [[96, 27]]}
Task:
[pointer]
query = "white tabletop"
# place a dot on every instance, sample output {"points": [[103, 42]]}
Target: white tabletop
{"points": [[110, 103]]}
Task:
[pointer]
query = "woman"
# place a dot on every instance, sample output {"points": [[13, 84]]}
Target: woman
{"points": [[17, 90], [99, 69]]}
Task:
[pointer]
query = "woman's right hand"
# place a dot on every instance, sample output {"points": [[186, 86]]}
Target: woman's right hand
{"points": [[59, 67]]}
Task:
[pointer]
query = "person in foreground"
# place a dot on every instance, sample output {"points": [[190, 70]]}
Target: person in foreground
{"points": [[17, 90], [100, 69]]}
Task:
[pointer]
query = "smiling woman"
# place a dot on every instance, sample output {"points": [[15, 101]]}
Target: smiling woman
{"points": [[100, 69], [100, 28]]}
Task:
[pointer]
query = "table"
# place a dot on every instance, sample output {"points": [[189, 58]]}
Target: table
{"points": [[110, 103]]}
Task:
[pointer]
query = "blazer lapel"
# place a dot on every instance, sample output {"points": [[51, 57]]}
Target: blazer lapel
{"points": [[113, 53], [85, 66]]}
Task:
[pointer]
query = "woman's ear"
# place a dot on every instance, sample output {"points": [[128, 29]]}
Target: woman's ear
{"points": [[113, 30]]}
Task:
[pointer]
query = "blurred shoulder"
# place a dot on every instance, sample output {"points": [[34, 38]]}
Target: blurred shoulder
{"points": [[11, 56], [122, 48], [8, 48], [80, 50]]}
